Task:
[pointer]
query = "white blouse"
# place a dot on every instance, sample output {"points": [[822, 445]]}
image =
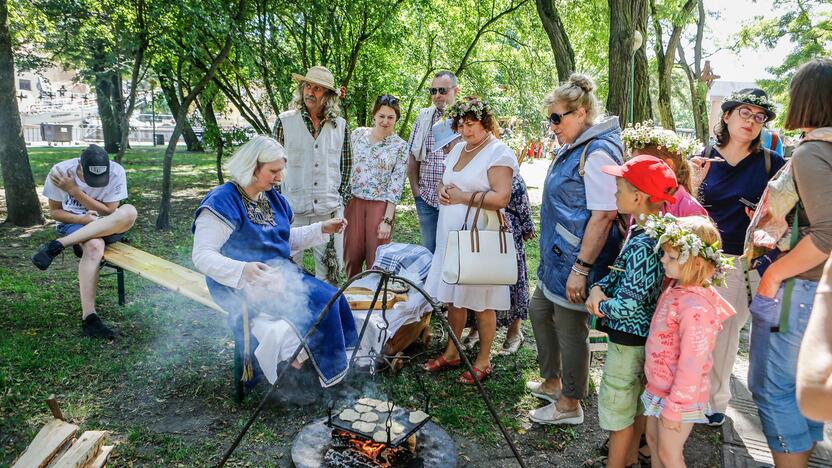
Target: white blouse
{"points": [[212, 233]]}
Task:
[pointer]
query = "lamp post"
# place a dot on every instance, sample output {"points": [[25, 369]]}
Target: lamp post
{"points": [[637, 42], [153, 110]]}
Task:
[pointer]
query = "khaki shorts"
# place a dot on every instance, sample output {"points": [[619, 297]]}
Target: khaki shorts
{"points": [[619, 398]]}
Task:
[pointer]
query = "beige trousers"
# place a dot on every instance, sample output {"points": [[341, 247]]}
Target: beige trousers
{"points": [[735, 291], [318, 250]]}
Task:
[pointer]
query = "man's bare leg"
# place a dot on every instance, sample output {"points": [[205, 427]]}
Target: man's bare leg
{"points": [[88, 283], [120, 221]]}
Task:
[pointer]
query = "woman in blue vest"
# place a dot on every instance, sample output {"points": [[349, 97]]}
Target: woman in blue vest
{"points": [[577, 244], [243, 240]]}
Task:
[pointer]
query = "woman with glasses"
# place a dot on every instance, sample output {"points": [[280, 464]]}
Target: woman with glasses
{"points": [[378, 172], [733, 174], [577, 245]]}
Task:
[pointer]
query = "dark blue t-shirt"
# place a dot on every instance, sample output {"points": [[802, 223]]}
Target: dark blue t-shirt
{"points": [[723, 188]]}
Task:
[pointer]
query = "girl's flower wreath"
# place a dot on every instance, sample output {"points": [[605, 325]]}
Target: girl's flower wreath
{"points": [[645, 133]]}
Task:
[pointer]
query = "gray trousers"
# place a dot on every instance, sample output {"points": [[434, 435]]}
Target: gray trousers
{"points": [[562, 346]]}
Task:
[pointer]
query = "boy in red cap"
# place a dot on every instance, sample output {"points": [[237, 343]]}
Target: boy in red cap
{"points": [[624, 302]]}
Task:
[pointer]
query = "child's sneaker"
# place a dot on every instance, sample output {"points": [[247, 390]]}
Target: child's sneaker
{"points": [[716, 419]]}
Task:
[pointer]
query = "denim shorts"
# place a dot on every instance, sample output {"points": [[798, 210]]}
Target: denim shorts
{"points": [[773, 368], [67, 229]]}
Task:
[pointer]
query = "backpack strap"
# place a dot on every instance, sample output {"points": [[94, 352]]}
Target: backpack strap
{"points": [[767, 157], [581, 170], [787, 291], [775, 140]]}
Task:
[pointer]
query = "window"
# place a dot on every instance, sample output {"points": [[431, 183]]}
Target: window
{"points": [[25, 85]]}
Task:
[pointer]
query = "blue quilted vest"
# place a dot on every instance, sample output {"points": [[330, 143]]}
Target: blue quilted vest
{"points": [[564, 215]]}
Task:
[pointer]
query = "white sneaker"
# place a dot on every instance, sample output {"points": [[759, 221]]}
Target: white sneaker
{"points": [[549, 414], [534, 388]]}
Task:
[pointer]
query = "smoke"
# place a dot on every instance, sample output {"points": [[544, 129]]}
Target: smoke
{"points": [[281, 294]]}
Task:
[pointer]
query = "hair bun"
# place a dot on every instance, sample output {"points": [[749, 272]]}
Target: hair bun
{"points": [[582, 81]]}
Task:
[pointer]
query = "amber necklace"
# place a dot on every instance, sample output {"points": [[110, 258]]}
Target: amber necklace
{"points": [[487, 136]]}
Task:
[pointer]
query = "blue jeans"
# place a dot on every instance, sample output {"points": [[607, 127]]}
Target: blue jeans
{"points": [[428, 217], [773, 368]]}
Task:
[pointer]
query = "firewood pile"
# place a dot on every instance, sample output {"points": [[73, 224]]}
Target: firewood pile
{"points": [[55, 446]]}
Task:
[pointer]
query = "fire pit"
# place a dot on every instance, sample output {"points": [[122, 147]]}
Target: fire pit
{"points": [[432, 447]]}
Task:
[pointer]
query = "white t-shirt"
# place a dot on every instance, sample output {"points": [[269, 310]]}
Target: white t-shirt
{"points": [[600, 187], [115, 190]]}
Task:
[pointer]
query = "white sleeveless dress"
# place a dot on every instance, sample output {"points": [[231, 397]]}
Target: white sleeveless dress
{"points": [[472, 178]]}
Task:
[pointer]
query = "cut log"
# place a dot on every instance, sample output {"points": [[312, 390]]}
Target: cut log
{"points": [[83, 450], [54, 435], [100, 460]]}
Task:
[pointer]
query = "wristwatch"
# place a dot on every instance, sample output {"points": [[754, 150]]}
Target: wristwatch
{"points": [[387, 221]]}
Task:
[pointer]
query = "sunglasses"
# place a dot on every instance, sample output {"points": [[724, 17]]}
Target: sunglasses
{"points": [[442, 91], [388, 100], [555, 118], [746, 113]]}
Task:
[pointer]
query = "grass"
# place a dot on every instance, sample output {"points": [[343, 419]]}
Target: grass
{"points": [[164, 388]]}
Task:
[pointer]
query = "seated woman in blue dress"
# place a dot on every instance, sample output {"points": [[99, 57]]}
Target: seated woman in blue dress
{"points": [[243, 240]]}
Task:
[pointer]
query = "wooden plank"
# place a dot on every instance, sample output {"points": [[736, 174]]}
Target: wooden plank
{"points": [[167, 274], [51, 437], [83, 450], [100, 460]]}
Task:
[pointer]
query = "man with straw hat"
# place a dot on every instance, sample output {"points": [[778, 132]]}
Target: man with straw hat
{"points": [[317, 143]]}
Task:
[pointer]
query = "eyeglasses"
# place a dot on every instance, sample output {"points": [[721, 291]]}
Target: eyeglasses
{"points": [[758, 117], [388, 100], [442, 91], [555, 118]]}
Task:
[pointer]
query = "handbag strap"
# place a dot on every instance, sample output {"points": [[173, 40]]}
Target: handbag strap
{"points": [[468, 211], [787, 291], [475, 232]]}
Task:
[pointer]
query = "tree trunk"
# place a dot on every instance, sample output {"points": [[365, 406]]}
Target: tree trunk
{"points": [[109, 122], [643, 108], [547, 10], [172, 98], [138, 59], [621, 57], [22, 204], [212, 125], [666, 59]]}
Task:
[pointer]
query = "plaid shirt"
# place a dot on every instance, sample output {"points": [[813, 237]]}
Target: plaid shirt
{"points": [[346, 150], [432, 168]]}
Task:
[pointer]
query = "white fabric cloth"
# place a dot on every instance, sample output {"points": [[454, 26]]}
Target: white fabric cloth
{"points": [[211, 234], [472, 178], [423, 126], [313, 167], [115, 190], [600, 187]]}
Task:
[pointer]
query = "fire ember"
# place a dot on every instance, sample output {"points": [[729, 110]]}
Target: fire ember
{"points": [[348, 450]]}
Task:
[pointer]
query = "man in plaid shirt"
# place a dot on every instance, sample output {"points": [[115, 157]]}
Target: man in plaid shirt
{"points": [[425, 163], [317, 143]]}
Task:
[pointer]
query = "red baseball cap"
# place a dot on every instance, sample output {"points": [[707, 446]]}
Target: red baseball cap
{"points": [[649, 174]]}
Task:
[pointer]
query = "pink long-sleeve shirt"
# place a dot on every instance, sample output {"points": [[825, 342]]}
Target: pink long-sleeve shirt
{"points": [[679, 348], [686, 205]]}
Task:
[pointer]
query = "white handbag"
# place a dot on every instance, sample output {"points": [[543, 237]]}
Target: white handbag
{"points": [[481, 256]]}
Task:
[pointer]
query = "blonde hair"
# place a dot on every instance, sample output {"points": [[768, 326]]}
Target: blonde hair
{"points": [[331, 105], [256, 152], [576, 93], [698, 271]]}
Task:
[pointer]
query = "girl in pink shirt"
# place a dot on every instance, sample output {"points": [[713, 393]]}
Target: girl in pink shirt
{"points": [[679, 348]]}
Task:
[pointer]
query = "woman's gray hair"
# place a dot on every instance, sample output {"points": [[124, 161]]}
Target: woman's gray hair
{"points": [[331, 105], [257, 151], [577, 92]]}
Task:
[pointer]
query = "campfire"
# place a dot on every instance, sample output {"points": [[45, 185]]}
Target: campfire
{"points": [[373, 433]]}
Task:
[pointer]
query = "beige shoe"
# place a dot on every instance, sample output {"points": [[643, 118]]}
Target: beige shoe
{"points": [[549, 414], [534, 388], [513, 345]]}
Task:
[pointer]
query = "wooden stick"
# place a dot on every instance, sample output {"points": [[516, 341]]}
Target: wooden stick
{"points": [[52, 402]]}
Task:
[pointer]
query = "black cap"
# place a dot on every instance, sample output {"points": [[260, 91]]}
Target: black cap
{"points": [[751, 96], [96, 166]]}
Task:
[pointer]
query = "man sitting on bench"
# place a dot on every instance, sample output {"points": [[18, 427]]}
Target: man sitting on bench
{"points": [[83, 198]]}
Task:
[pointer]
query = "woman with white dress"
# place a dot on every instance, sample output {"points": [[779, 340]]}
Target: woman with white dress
{"points": [[480, 163]]}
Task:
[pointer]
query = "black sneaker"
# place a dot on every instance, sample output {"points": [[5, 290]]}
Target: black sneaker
{"points": [[46, 253], [716, 419], [93, 327]]}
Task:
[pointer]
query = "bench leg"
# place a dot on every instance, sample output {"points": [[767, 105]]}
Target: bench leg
{"points": [[237, 378], [120, 281]]}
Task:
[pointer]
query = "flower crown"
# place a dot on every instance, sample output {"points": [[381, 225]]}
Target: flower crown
{"points": [[465, 106], [645, 133], [747, 98], [666, 229]]}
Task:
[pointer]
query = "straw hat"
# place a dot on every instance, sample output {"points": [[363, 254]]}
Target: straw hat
{"points": [[318, 75]]}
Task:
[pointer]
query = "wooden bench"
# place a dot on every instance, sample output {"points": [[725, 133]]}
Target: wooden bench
{"points": [[181, 280]]}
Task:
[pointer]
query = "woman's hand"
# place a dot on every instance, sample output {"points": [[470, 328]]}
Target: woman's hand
{"points": [[770, 282], [576, 288], [444, 197], [255, 272], [334, 225], [671, 425], [699, 167], [593, 303], [455, 195], [384, 230]]}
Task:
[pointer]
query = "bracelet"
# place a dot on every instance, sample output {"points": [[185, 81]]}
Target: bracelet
{"points": [[387, 221], [582, 263], [579, 271]]}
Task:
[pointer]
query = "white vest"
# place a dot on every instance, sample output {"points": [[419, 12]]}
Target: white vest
{"points": [[313, 169]]}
